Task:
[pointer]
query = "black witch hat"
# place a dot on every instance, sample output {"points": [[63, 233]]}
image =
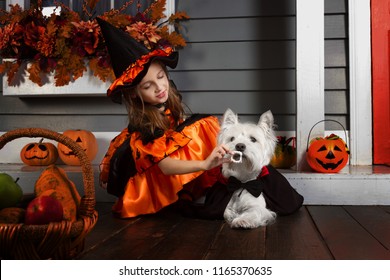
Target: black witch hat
{"points": [[130, 59]]}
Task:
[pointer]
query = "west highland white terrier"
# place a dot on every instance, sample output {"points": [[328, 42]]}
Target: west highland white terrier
{"points": [[250, 193], [252, 147]]}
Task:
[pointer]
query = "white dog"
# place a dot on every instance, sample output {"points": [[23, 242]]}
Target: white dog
{"points": [[256, 144]]}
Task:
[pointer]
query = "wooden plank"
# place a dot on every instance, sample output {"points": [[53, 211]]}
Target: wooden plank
{"points": [[250, 101], [336, 78], [343, 119], [242, 28], [63, 122], [346, 238], [385, 208], [105, 228], [242, 55], [60, 105], [243, 80], [336, 53], [238, 244], [139, 237], [336, 6], [295, 237], [234, 8], [254, 55], [280, 102], [375, 220], [358, 233], [335, 26], [336, 102], [189, 240]]}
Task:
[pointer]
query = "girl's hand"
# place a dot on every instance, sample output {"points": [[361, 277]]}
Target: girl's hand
{"points": [[217, 157], [170, 166]]}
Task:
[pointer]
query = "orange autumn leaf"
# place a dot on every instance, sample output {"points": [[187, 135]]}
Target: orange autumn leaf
{"points": [[13, 69], [157, 10], [64, 43], [78, 66], [34, 70], [102, 72], [176, 39], [178, 16], [2, 68], [51, 28], [92, 3], [62, 76]]}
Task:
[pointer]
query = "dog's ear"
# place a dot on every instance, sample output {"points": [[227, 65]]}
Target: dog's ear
{"points": [[267, 120], [229, 118]]}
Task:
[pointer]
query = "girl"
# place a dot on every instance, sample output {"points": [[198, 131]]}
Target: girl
{"points": [[160, 153]]}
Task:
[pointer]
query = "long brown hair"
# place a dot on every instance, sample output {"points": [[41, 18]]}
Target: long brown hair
{"points": [[146, 117]]}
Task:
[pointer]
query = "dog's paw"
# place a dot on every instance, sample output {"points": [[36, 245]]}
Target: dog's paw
{"points": [[242, 223], [229, 215]]}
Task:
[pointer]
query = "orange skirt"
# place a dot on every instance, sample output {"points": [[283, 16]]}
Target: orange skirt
{"points": [[150, 190]]}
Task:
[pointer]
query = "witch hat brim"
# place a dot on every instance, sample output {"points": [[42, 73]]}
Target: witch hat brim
{"points": [[130, 59]]}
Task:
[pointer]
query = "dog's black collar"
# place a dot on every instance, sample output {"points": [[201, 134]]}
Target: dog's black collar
{"points": [[254, 187]]}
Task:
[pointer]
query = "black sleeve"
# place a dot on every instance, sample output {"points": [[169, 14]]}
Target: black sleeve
{"points": [[122, 167]]}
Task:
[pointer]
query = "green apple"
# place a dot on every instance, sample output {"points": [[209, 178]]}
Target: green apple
{"points": [[10, 192]]}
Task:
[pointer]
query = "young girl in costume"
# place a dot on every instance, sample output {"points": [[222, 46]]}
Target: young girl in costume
{"points": [[161, 152]]}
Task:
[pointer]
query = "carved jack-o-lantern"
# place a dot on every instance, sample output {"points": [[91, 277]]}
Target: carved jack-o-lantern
{"points": [[327, 155], [41, 153], [86, 139]]}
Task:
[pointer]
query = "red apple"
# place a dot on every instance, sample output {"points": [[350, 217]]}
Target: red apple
{"points": [[43, 210]]}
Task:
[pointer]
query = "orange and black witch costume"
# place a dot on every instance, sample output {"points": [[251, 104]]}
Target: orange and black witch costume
{"points": [[130, 167], [131, 171]]}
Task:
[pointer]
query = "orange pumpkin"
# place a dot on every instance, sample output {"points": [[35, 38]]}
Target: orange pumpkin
{"points": [[285, 155], [327, 155], [41, 153], [86, 139]]}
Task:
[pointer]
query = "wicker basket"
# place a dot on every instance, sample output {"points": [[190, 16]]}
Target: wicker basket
{"points": [[62, 240]]}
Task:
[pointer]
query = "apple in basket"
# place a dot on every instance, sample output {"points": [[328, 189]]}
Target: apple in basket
{"points": [[43, 210], [10, 192]]}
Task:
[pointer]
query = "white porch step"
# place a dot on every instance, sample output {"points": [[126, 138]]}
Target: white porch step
{"points": [[354, 185]]}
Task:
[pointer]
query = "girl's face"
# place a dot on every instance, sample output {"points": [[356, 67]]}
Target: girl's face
{"points": [[154, 87]]}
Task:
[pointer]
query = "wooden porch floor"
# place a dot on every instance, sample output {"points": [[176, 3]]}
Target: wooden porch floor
{"points": [[313, 233]]}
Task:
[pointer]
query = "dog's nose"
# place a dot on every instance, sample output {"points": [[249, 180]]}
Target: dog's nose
{"points": [[240, 147]]}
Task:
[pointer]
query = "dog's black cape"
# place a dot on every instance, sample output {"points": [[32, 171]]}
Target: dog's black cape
{"points": [[279, 196]]}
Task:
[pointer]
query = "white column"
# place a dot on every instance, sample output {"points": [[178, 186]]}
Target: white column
{"points": [[309, 73], [360, 82], [170, 9]]}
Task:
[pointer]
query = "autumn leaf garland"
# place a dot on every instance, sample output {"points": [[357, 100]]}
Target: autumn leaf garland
{"points": [[64, 44]]}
